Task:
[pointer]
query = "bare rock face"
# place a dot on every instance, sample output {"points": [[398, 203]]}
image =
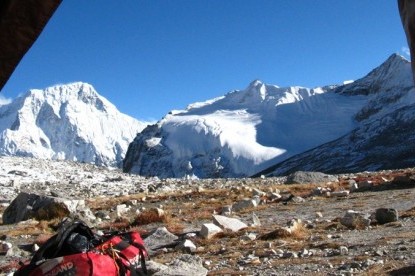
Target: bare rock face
{"points": [[27, 206], [302, 177]]}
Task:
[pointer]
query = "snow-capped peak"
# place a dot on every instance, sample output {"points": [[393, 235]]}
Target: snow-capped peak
{"points": [[249, 129], [391, 73], [70, 122]]}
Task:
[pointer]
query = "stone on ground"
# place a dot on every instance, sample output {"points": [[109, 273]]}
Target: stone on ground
{"points": [[301, 177], [244, 204], [26, 206], [353, 220], [159, 238], [209, 230], [185, 265], [227, 223], [386, 215]]}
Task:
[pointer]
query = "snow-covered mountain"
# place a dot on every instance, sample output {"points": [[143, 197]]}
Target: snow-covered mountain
{"points": [[385, 135], [71, 122], [249, 130]]}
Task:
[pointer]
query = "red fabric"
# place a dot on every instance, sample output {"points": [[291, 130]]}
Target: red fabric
{"points": [[89, 263], [113, 256]]}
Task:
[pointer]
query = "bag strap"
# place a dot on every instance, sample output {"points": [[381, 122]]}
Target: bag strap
{"points": [[127, 240], [52, 247]]}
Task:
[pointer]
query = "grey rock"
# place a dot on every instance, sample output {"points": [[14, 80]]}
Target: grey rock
{"points": [[185, 265], [26, 206], [298, 199], [365, 185], [244, 204], [302, 177], [353, 185], [226, 210], [344, 193], [256, 222], [158, 239], [385, 215], [102, 215], [289, 254], [354, 220], [154, 267]]}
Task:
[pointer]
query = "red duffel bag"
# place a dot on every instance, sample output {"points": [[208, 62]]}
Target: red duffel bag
{"points": [[76, 250]]}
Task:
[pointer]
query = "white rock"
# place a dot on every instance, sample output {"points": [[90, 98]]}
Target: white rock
{"points": [[343, 250], [121, 209], [187, 245], [208, 230], [227, 223], [338, 193]]}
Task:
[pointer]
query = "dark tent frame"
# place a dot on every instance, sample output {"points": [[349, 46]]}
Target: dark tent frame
{"points": [[21, 22]]}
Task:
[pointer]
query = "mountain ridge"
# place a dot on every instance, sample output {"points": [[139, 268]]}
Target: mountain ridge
{"points": [[246, 131], [71, 122]]}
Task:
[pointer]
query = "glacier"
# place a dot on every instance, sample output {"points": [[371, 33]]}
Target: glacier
{"points": [[247, 131]]}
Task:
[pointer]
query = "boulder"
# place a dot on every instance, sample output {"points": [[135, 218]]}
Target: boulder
{"points": [[301, 177], [386, 215], [354, 220], [365, 185], [158, 239], [27, 206]]}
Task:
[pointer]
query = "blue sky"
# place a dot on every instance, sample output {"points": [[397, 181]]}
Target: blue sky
{"points": [[151, 56]]}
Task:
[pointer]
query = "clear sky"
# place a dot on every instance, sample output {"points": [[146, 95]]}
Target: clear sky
{"points": [[151, 56]]}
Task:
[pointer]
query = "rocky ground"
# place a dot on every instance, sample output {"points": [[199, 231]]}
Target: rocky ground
{"points": [[350, 224]]}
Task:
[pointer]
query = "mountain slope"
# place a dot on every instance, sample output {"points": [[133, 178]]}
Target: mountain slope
{"points": [[386, 143], [71, 122], [385, 136], [246, 131]]}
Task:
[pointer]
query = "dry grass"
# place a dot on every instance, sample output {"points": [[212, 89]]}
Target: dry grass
{"points": [[53, 211], [150, 216], [300, 232], [118, 224], [37, 228], [408, 213], [227, 271], [391, 267]]}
